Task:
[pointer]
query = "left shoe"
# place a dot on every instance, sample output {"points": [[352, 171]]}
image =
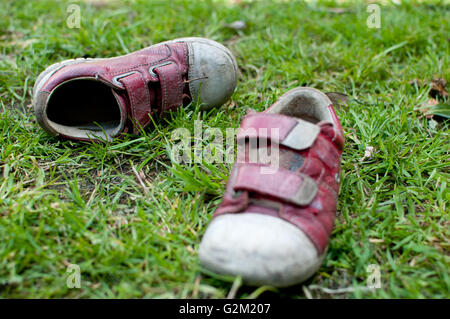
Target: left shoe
{"points": [[101, 98], [273, 226]]}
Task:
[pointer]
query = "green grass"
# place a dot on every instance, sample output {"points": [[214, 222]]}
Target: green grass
{"points": [[64, 202]]}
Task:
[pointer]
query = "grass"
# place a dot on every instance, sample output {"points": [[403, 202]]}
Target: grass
{"points": [[65, 202]]}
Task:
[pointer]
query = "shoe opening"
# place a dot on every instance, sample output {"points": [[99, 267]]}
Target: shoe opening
{"points": [[84, 107], [305, 103]]}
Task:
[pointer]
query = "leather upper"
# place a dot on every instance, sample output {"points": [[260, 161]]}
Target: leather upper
{"points": [[303, 187], [148, 81]]}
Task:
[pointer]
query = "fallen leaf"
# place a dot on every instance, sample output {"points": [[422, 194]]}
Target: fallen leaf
{"points": [[425, 107], [65, 263], [339, 100], [438, 87], [368, 154], [232, 105], [353, 136], [432, 102], [432, 109]]}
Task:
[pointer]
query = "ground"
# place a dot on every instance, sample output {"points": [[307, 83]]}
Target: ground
{"points": [[132, 219]]}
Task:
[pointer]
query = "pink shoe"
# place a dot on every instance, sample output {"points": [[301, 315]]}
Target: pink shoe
{"points": [[273, 229], [87, 99]]}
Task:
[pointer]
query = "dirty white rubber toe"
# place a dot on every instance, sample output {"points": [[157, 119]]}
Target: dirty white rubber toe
{"points": [[213, 71], [263, 249]]}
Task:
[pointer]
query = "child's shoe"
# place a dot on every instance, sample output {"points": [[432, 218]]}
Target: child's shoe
{"points": [[87, 99], [274, 224]]}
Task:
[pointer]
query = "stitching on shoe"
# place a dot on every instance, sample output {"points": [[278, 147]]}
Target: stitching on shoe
{"points": [[164, 89], [133, 104], [180, 83]]}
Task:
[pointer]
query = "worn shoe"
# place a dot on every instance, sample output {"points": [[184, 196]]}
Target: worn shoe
{"points": [[274, 223], [87, 99]]}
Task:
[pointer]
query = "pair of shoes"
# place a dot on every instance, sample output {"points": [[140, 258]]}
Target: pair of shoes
{"points": [[275, 220]]}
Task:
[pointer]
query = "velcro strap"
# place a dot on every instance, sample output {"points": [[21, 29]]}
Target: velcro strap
{"points": [[296, 188], [284, 130], [139, 96], [171, 86]]}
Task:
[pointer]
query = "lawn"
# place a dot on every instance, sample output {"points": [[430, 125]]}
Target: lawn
{"points": [[132, 219]]}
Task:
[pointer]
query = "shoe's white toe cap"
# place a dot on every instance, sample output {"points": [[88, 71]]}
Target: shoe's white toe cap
{"points": [[264, 250], [212, 72]]}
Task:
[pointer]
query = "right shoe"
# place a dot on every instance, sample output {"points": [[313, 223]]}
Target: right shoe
{"points": [[91, 99], [274, 223]]}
